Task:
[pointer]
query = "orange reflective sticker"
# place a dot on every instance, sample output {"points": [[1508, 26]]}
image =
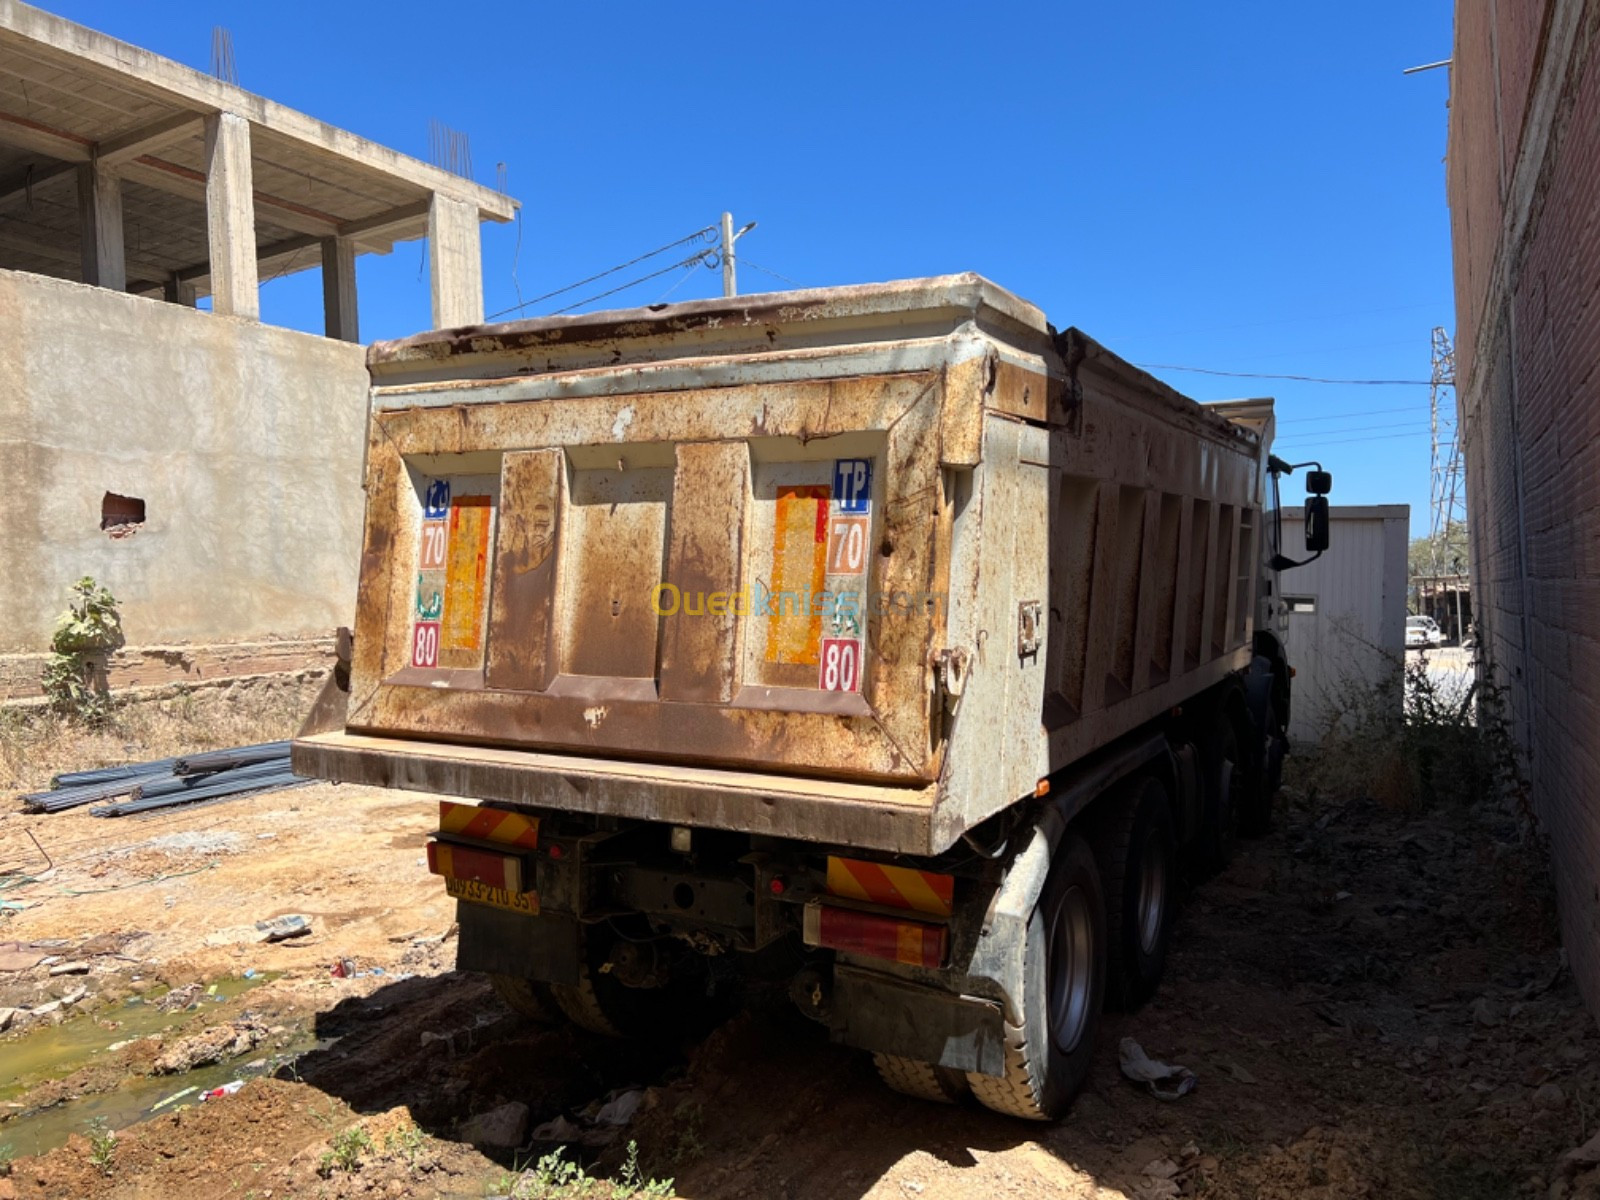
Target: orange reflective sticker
{"points": [[465, 572], [799, 572]]}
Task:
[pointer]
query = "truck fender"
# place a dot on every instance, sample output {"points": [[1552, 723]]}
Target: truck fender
{"points": [[995, 968], [1258, 681]]}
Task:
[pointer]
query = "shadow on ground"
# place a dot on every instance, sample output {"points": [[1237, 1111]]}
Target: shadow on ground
{"points": [[1371, 1001]]}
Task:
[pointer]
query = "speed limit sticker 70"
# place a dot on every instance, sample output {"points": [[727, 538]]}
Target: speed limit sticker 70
{"points": [[847, 545], [841, 665]]}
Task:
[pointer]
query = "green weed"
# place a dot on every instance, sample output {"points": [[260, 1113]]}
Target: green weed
{"points": [[554, 1178], [102, 1145], [345, 1154]]}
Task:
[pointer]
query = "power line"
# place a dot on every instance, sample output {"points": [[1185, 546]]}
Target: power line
{"points": [[768, 271], [709, 252], [1308, 318], [1366, 412], [1315, 435], [699, 234], [682, 279], [1376, 437], [1294, 378]]}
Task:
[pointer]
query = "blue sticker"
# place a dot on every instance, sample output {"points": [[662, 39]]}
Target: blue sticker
{"points": [[436, 503], [852, 484]]}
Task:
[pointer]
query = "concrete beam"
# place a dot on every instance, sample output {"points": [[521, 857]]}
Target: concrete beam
{"points": [[110, 152], [26, 182], [180, 291], [147, 140], [455, 263], [178, 180], [339, 313], [231, 217], [17, 130], [100, 227], [389, 224], [139, 272]]}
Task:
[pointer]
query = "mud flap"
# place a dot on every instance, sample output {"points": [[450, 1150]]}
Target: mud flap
{"points": [[892, 1016], [496, 942], [995, 970]]}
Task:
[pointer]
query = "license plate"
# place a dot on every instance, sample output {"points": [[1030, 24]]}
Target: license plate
{"points": [[482, 893]]}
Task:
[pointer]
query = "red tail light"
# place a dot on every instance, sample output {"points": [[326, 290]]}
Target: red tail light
{"points": [[909, 942], [479, 866]]}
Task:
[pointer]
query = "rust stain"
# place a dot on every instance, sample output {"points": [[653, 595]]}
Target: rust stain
{"points": [[799, 569], [461, 639], [522, 649]]}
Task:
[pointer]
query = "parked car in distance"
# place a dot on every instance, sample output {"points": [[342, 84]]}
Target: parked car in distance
{"points": [[1423, 632]]}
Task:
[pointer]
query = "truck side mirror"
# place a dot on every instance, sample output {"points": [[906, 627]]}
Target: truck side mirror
{"points": [[1316, 521], [1319, 483]]}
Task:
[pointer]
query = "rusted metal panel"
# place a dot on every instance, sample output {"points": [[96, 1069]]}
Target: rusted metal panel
{"points": [[1042, 546], [892, 819], [523, 649], [710, 508]]}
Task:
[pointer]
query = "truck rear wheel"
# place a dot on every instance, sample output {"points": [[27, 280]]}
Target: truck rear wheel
{"points": [[602, 1004], [1223, 768], [526, 997], [1136, 845], [1049, 1051], [943, 1085], [1266, 777]]}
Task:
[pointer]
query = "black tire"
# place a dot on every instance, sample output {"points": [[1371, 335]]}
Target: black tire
{"points": [[1136, 844], [1265, 778], [1223, 772], [1048, 1054], [601, 1004], [942, 1085], [527, 998]]}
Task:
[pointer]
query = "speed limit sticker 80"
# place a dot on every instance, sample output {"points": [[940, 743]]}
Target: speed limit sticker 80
{"points": [[425, 644], [841, 665]]}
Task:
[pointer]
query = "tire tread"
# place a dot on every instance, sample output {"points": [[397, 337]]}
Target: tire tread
{"points": [[1016, 1093], [525, 997], [923, 1080], [582, 1005]]}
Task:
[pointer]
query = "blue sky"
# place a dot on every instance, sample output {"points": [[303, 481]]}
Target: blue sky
{"points": [[1247, 187]]}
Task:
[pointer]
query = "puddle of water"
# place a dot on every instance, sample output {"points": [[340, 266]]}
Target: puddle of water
{"points": [[135, 1099], [56, 1051]]}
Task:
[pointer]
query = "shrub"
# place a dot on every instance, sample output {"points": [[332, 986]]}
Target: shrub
{"points": [[91, 626]]}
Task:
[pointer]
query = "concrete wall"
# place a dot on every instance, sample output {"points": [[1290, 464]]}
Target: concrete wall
{"points": [[1524, 188], [243, 440], [1347, 612]]}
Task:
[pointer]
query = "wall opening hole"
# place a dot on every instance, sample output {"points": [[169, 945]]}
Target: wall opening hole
{"points": [[121, 516], [683, 896]]}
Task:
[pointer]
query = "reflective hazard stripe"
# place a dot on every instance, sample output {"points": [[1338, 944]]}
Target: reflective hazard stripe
{"points": [[489, 824], [897, 887]]}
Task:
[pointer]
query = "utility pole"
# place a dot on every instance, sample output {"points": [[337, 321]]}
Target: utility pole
{"points": [[730, 284], [1447, 498]]}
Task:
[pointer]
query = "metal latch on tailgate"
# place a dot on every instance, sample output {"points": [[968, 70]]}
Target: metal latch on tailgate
{"points": [[950, 676]]}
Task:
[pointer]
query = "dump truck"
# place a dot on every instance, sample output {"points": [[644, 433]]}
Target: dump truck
{"points": [[882, 643]]}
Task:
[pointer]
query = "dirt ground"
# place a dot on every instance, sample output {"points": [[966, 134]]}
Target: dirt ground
{"points": [[1373, 1003]]}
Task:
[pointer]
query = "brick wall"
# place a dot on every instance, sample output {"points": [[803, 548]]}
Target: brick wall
{"points": [[1524, 190]]}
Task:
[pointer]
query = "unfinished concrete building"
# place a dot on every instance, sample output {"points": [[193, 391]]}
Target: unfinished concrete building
{"points": [[204, 466], [1524, 166]]}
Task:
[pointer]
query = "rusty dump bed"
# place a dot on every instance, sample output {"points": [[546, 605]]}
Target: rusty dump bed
{"points": [[858, 565]]}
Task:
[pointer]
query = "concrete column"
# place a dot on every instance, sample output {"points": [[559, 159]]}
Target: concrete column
{"points": [[455, 262], [231, 217], [180, 291], [339, 289], [100, 219]]}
